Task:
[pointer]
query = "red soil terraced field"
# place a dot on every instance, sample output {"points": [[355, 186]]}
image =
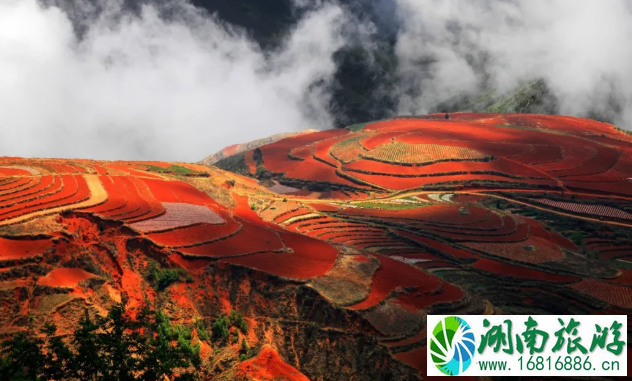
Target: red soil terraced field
{"points": [[283, 189], [594, 210], [178, 215], [126, 169], [307, 258], [188, 235], [13, 171], [336, 246], [64, 277], [349, 149], [249, 239], [436, 245], [434, 214], [532, 250], [393, 274], [506, 269], [619, 296], [275, 155], [69, 190], [11, 249], [402, 153], [550, 148], [131, 200]]}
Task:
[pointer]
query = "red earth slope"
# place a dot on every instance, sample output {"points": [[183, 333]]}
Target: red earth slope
{"points": [[478, 214], [468, 151]]}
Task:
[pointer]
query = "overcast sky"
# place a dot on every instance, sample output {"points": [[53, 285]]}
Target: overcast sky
{"points": [[141, 87]]}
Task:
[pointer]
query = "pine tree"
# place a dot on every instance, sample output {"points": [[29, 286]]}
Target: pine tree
{"points": [[119, 343], [160, 358], [114, 348], [89, 363], [220, 328], [59, 359], [22, 357]]}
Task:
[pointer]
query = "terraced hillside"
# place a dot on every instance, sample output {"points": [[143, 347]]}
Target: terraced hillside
{"points": [[238, 148], [337, 246]]}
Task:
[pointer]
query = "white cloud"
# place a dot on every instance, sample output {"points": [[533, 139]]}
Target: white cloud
{"points": [[580, 47], [142, 87]]}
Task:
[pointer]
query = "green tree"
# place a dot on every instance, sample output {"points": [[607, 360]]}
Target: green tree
{"points": [[114, 348], [22, 357], [244, 346], [120, 344], [237, 321], [162, 278], [161, 358], [88, 361], [59, 359], [202, 332], [220, 328]]}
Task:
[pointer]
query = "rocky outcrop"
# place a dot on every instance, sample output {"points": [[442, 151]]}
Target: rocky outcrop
{"points": [[325, 342]]}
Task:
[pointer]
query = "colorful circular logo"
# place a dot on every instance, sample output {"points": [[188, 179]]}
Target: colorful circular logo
{"points": [[452, 346]]}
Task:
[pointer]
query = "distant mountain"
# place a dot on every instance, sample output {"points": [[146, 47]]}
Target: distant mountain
{"points": [[362, 87], [528, 98]]}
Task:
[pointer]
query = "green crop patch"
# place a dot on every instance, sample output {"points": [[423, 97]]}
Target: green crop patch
{"points": [[389, 205], [174, 169]]}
